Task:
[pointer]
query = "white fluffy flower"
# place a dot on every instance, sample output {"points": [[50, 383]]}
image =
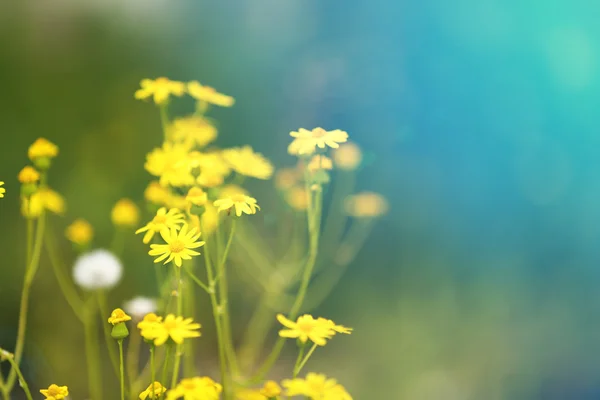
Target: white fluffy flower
{"points": [[138, 307], [98, 269]]}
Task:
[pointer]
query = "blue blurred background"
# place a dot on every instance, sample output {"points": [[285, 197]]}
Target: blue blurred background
{"points": [[480, 125]]}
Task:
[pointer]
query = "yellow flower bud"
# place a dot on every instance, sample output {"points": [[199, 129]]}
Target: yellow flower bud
{"points": [[125, 213], [29, 175], [80, 232]]}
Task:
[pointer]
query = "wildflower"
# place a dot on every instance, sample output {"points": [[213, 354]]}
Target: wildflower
{"points": [[249, 394], [306, 141], [305, 328], [271, 389], [196, 196], [316, 387], [156, 193], [125, 213], [366, 204], [2, 190], [209, 95], [178, 247], [149, 325], [212, 162], [297, 198], [155, 390], [347, 157], [43, 199], [160, 89], [319, 162], [196, 388], [80, 232], [169, 163], [246, 162], [162, 220], [174, 328], [242, 204], [333, 326], [29, 175], [98, 269], [55, 392], [118, 316], [286, 178], [193, 131], [41, 153], [138, 307]]}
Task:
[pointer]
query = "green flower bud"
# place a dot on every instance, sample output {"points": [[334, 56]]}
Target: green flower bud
{"points": [[120, 331]]}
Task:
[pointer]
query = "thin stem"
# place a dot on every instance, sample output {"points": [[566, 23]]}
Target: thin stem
{"points": [[196, 280], [121, 369], [178, 349], [153, 368], [22, 380], [164, 119], [165, 365], [92, 354], [189, 304], [305, 360], [133, 356], [30, 230], [107, 336], [224, 301], [299, 359]]}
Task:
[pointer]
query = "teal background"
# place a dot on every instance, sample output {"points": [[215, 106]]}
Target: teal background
{"points": [[479, 123]]}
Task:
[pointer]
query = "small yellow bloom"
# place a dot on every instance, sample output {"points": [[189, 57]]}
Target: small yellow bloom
{"points": [[162, 221], [42, 148], [196, 196], [149, 325], [319, 162], [156, 193], [366, 205], [242, 204], [337, 328], [169, 162], [125, 213], [196, 389], [2, 190], [297, 198], [347, 157], [155, 388], [179, 245], [174, 328], [306, 141], [160, 89], [43, 199], [80, 232], [193, 131], [209, 95], [316, 387], [246, 162], [117, 316], [286, 178], [55, 392], [271, 389], [306, 327], [29, 175]]}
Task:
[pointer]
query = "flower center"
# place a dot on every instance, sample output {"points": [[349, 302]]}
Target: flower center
{"points": [[305, 326], [160, 220], [238, 198], [319, 132], [177, 246]]}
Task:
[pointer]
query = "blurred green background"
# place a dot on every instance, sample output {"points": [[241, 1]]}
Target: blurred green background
{"points": [[479, 123]]}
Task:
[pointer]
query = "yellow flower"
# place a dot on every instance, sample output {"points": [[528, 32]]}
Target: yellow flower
{"points": [[156, 193], [297, 198], [193, 131], [337, 328], [249, 394], [196, 389], [125, 213], [80, 232], [161, 89], [170, 164], [29, 175], [242, 204], [162, 221], [43, 199], [175, 328], [149, 325], [209, 95], [231, 190], [306, 141], [42, 148], [347, 157], [271, 389], [305, 328], [155, 388], [319, 162], [2, 190], [366, 205], [55, 392], [316, 387], [286, 178], [178, 247], [211, 162], [196, 196], [118, 316], [210, 180], [246, 162]]}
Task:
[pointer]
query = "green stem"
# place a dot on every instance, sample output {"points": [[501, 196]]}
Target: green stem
{"points": [[121, 369], [153, 368], [299, 367], [189, 353], [164, 119], [165, 365], [133, 357], [224, 301], [22, 380], [178, 349], [92, 355], [197, 280], [299, 359], [114, 360]]}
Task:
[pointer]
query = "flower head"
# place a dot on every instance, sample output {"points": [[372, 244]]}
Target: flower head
{"points": [[172, 327], [246, 162], [44, 199], [242, 204], [29, 175], [316, 387], [42, 148], [366, 205], [270, 389], [162, 221], [347, 157], [2, 190], [306, 141], [179, 245], [55, 392], [149, 325], [156, 193], [118, 316], [305, 328], [209, 95], [98, 269], [161, 89], [80, 232], [196, 389], [169, 162], [125, 213], [155, 390], [197, 196], [139, 306], [332, 325], [193, 131]]}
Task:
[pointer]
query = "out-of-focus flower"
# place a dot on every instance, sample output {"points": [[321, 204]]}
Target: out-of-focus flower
{"points": [[155, 390], [209, 95], [41, 153], [197, 196], [43, 199], [175, 328], [55, 392], [306, 328], [160, 89], [2, 190], [316, 387], [249, 163], [210, 162], [271, 389], [29, 175], [232, 190], [139, 306], [125, 213], [297, 198], [156, 193], [319, 162], [162, 221], [210, 180], [193, 131], [80, 232], [306, 141], [118, 316], [98, 269], [347, 157], [169, 162], [149, 325], [242, 204], [196, 388], [179, 245], [286, 178], [366, 205]]}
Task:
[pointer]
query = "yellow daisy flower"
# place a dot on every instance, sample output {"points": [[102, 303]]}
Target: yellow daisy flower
{"points": [[42, 148], [125, 213], [29, 175], [156, 193], [246, 162], [347, 157], [319, 162], [174, 328], [332, 325], [195, 389], [209, 95], [149, 325], [193, 131], [366, 205], [160, 89], [162, 221], [242, 204], [178, 247], [55, 392], [306, 141], [316, 387], [169, 163], [305, 328], [43, 199], [118, 316], [155, 388], [80, 232], [2, 190]]}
